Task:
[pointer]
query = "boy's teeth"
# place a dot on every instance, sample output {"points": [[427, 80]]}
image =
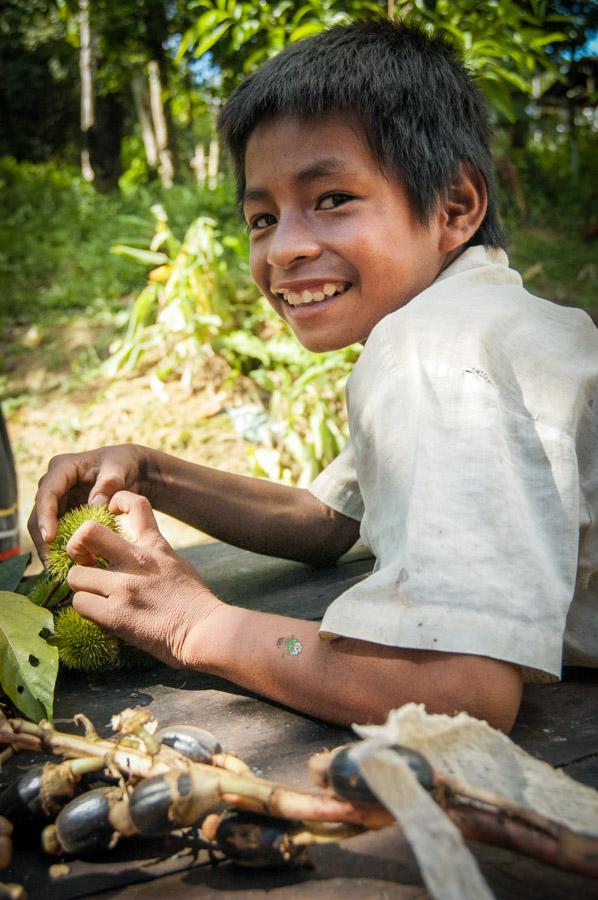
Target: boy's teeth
{"points": [[295, 299]]}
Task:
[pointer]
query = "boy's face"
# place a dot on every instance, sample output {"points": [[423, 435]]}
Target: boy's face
{"points": [[334, 243]]}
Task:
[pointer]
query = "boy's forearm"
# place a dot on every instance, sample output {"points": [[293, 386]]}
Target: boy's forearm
{"points": [[252, 513], [346, 681]]}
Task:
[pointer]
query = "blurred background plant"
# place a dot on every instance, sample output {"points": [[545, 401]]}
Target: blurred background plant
{"points": [[123, 262]]}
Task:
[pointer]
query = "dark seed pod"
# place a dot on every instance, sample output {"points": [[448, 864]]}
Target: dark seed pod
{"points": [[255, 840], [84, 824], [347, 782], [38, 794], [173, 800], [196, 743]]}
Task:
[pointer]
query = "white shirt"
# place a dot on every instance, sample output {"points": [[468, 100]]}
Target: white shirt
{"points": [[473, 466]]}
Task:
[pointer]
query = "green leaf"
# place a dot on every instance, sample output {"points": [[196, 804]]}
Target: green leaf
{"points": [[29, 582], [306, 30], [28, 664], [12, 570], [209, 40], [147, 257]]}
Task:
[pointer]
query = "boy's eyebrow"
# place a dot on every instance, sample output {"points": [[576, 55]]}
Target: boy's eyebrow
{"points": [[321, 168]]}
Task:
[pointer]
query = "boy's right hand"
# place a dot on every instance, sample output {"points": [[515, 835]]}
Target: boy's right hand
{"points": [[75, 478]]}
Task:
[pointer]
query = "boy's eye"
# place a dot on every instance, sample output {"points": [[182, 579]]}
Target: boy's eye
{"points": [[263, 220], [331, 201]]}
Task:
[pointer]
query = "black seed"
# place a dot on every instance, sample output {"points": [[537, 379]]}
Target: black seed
{"points": [[45, 633], [20, 689], [33, 660], [196, 743], [83, 825], [418, 764], [150, 804], [256, 840]]}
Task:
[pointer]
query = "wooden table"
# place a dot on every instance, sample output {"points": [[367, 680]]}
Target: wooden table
{"points": [[557, 723]]}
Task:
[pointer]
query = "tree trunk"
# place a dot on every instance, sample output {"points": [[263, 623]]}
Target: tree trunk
{"points": [[166, 165], [213, 160], [86, 66], [144, 114], [198, 164]]}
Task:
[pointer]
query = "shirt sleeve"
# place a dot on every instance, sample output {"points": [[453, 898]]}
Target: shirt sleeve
{"points": [[472, 511], [337, 485]]}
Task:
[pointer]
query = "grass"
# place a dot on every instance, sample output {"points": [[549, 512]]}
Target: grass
{"points": [[56, 232], [557, 266]]}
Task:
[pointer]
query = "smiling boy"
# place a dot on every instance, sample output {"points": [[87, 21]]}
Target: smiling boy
{"points": [[364, 171]]}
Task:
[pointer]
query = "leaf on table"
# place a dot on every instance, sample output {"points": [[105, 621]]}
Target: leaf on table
{"points": [[28, 664], [12, 570], [27, 583]]}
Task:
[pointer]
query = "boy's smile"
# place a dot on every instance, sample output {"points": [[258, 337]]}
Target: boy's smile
{"points": [[335, 245]]}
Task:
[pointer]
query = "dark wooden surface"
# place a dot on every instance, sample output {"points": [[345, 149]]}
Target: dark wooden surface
{"points": [[557, 723]]}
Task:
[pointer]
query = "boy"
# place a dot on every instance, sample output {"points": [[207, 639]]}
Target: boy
{"points": [[364, 170]]}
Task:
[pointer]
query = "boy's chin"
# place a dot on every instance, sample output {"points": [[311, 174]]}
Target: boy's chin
{"points": [[322, 345], [326, 343]]}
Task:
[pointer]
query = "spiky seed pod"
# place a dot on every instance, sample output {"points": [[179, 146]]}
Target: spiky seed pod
{"points": [[42, 590], [83, 644], [59, 562], [49, 592]]}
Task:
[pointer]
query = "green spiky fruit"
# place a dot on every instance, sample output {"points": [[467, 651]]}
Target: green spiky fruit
{"points": [[83, 644], [59, 562], [49, 592]]}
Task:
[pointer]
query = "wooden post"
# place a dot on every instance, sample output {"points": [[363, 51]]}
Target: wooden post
{"points": [[87, 98], [166, 167], [142, 106]]}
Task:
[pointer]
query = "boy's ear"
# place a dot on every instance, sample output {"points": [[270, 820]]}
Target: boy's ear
{"points": [[463, 208]]}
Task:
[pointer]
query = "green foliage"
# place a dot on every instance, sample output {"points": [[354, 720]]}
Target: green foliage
{"points": [[59, 562], [53, 237], [505, 44], [56, 229], [191, 295], [83, 644], [241, 36], [12, 571], [28, 664], [306, 425]]}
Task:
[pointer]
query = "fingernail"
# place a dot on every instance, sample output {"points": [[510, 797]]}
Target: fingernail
{"points": [[44, 534], [99, 500]]}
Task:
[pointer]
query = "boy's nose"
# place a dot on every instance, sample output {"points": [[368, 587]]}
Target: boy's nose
{"points": [[291, 242]]}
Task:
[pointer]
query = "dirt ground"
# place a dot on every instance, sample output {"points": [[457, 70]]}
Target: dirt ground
{"points": [[51, 410]]}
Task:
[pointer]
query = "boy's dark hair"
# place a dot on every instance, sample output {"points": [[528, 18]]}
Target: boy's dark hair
{"points": [[420, 110]]}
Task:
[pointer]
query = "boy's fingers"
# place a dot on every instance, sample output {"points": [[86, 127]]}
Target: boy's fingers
{"points": [[87, 605], [94, 581], [92, 539], [36, 536], [54, 485], [141, 515], [110, 480]]}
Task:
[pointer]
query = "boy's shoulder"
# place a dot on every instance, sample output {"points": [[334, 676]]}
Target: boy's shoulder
{"points": [[535, 357], [479, 301]]}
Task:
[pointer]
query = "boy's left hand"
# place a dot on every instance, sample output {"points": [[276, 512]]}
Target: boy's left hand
{"points": [[148, 596]]}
